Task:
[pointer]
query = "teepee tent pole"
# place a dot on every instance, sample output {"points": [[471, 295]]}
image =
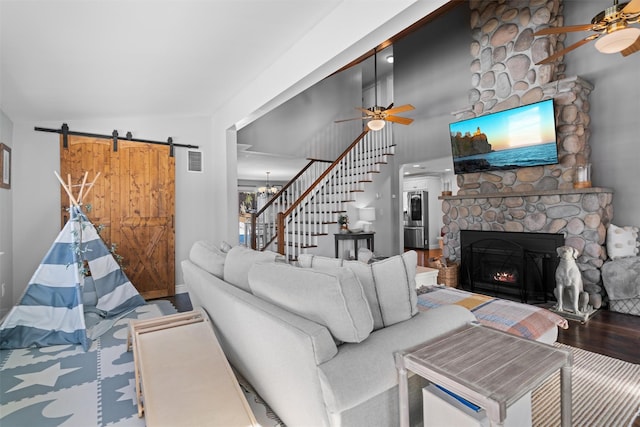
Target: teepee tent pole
{"points": [[70, 187], [84, 181], [72, 200], [91, 185]]}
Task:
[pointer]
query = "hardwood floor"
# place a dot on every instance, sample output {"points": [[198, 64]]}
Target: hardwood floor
{"points": [[607, 332]]}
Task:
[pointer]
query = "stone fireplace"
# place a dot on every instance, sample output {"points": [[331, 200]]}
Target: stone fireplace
{"points": [[538, 199]]}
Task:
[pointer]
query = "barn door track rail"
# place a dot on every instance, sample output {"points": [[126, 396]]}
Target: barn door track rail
{"points": [[65, 132]]}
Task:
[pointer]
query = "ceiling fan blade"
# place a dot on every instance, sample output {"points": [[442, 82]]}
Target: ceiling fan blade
{"points": [[400, 120], [568, 29], [568, 49], [400, 109], [353, 118], [631, 49], [364, 110], [632, 7]]}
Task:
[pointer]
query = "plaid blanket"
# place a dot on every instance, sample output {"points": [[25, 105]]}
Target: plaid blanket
{"points": [[519, 319]]}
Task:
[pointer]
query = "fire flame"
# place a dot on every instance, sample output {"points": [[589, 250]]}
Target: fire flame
{"points": [[505, 276]]}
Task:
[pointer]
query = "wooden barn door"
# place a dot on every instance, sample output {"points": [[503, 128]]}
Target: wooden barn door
{"points": [[134, 200]]}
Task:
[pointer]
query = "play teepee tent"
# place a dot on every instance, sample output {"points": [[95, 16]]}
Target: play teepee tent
{"points": [[51, 310]]}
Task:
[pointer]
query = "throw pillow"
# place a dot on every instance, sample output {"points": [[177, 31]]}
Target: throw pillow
{"points": [[207, 256], [333, 299], [392, 282], [622, 241], [238, 262], [389, 284]]}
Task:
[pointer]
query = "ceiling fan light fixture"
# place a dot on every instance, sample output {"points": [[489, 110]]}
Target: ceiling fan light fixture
{"points": [[617, 41], [375, 124]]}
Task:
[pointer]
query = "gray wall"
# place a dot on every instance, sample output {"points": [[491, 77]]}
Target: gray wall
{"points": [[304, 126], [615, 113], [432, 73], [36, 200], [6, 229]]}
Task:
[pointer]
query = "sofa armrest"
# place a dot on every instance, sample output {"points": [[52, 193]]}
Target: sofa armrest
{"points": [[278, 352], [208, 292]]}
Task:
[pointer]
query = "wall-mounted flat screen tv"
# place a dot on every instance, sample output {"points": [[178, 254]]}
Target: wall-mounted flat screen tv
{"points": [[519, 137]]}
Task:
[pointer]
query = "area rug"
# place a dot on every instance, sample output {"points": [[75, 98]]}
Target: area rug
{"points": [[66, 386], [606, 392]]}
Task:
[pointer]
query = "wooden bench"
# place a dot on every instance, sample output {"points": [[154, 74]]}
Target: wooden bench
{"points": [[182, 376]]}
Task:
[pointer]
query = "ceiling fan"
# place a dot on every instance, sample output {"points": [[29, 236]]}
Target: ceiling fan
{"points": [[612, 27], [377, 115]]}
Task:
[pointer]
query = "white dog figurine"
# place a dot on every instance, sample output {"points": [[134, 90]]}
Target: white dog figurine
{"points": [[569, 282]]}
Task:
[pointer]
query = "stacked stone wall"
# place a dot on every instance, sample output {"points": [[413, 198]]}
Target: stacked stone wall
{"points": [[504, 75]]}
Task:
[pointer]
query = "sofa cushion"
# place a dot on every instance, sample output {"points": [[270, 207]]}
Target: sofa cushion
{"points": [[389, 284], [207, 256], [333, 299], [622, 241], [361, 371], [238, 262]]}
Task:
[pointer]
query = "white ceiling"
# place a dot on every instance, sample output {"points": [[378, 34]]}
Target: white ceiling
{"points": [[86, 59]]}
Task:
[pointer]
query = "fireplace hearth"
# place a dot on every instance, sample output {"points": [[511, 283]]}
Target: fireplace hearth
{"points": [[518, 266]]}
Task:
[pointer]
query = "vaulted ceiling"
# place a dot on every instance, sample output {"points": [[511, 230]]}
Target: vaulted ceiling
{"points": [[66, 59]]}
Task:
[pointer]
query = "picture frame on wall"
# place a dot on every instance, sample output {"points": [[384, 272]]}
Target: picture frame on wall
{"points": [[5, 166]]}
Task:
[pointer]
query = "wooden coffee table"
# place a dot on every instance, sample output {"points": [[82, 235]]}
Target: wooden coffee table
{"points": [[490, 368]]}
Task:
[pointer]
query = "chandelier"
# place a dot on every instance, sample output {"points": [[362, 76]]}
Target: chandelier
{"points": [[268, 189]]}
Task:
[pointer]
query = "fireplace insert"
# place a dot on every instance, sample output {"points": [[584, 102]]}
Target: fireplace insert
{"points": [[518, 266]]}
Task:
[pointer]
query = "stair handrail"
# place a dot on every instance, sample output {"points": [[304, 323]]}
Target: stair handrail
{"points": [[270, 202], [282, 215]]}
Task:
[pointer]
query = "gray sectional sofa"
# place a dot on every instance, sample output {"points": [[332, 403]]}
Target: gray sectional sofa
{"points": [[318, 343]]}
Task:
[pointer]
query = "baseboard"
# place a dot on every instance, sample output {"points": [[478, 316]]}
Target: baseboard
{"points": [[181, 288]]}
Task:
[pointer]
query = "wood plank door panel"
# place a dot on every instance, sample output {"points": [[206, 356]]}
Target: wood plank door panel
{"points": [[90, 155], [146, 229], [133, 199]]}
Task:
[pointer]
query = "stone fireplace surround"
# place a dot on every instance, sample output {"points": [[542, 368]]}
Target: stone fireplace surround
{"points": [[538, 199], [581, 215]]}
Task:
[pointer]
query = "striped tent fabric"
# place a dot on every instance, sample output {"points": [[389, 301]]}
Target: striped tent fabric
{"points": [[51, 311], [116, 294]]}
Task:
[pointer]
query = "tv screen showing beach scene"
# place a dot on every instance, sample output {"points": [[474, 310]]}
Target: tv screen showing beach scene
{"points": [[520, 137]]}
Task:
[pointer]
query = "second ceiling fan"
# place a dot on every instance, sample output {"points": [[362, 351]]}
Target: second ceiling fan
{"points": [[612, 31], [378, 115]]}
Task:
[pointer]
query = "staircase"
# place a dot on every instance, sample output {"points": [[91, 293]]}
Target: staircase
{"points": [[304, 209]]}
